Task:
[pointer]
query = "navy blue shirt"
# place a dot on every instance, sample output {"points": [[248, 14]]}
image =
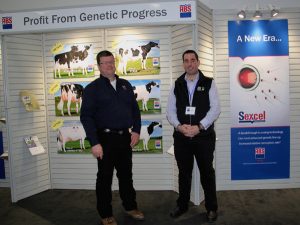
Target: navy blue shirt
{"points": [[104, 107]]}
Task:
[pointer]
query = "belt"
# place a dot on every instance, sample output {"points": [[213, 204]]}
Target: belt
{"points": [[114, 131]]}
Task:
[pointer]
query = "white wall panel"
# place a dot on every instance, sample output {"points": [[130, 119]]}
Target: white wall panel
{"points": [[150, 171], [24, 71], [223, 148]]}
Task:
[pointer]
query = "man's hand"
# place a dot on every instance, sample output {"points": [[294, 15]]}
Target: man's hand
{"points": [[135, 137], [188, 130], [97, 151]]}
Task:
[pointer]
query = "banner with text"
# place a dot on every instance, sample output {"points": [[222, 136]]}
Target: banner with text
{"points": [[100, 16], [259, 94], [2, 168]]}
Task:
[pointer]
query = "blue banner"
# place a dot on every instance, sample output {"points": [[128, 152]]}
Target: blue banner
{"points": [[260, 153], [259, 92], [258, 38], [2, 169]]}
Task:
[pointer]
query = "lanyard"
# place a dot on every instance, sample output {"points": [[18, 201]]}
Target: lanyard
{"points": [[191, 92]]}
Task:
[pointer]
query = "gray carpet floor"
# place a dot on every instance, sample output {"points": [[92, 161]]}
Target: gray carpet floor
{"points": [[77, 207]]}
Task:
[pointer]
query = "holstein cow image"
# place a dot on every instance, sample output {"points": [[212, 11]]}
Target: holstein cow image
{"points": [[70, 93], [146, 131], [82, 61], [139, 53], [142, 52], [72, 133], [142, 92], [65, 60]]}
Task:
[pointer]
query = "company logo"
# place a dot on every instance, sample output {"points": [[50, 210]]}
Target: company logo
{"points": [[7, 22], [185, 11], [260, 153], [252, 117], [158, 144]]}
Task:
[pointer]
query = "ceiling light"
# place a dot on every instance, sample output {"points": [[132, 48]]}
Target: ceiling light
{"points": [[242, 14], [274, 12], [257, 14]]}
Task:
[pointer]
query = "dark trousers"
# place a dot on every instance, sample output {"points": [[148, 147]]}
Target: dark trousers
{"points": [[117, 154], [202, 148]]}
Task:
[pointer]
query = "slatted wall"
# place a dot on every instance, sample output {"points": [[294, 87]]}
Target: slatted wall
{"points": [[25, 71], [181, 39], [78, 171], [69, 171], [206, 57], [3, 182], [221, 74]]}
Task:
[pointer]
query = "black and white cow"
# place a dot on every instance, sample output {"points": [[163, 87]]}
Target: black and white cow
{"points": [[72, 133], [142, 92], [82, 60], [65, 60], [123, 59], [140, 53], [70, 93], [146, 131]]}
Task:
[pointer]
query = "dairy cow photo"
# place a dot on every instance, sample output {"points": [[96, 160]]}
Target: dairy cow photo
{"points": [[147, 94], [71, 138], [68, 99], [141, 57], [150, 137], [74, 61]]}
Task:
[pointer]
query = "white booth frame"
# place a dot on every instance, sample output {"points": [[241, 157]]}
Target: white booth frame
{"points": [[27, 65]]}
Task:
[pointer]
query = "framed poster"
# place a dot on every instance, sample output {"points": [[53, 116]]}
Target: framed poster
{"points": [[147, 93], [71, 138], [73, 61], [68, 98], [150, 137], [138, 57]]}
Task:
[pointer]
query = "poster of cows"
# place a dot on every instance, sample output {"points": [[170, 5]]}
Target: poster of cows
{"points": [[71, 138], [150, 137], [147, 93], [139, 57], [73, 61], [68, 99]]}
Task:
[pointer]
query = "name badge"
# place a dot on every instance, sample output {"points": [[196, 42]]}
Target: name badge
{"points": [[190, 110]]}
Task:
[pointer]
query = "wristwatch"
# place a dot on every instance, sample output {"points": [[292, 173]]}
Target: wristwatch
{"points": [[201, 127]]}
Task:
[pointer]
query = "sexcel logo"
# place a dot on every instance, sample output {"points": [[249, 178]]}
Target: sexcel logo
{"points": [[7, 22], [252, 117], [185, 11]]}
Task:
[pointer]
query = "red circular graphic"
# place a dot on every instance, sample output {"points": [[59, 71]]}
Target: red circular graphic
{"points": [[248, 78]]}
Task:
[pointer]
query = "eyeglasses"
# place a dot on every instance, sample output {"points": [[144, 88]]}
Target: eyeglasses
{"points": [[107, 63]]}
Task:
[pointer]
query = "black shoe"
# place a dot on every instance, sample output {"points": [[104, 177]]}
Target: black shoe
{"points": [[177, 211], [212, 216]]}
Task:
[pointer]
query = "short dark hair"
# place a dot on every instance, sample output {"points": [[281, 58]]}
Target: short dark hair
{"points": [[101, 54], [190, 52]]}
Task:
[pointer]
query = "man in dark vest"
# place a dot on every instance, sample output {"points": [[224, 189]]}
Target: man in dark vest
{"points": [[193, 106]]}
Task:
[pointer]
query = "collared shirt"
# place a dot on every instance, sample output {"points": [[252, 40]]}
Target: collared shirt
{"points": [[211, 115], [103, 107]]}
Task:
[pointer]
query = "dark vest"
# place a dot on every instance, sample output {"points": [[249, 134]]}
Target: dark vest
{"points": [[200, 100]]}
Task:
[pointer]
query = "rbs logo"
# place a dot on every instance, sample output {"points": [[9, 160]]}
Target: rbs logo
{"points": [[185, 11], [7, 22]]}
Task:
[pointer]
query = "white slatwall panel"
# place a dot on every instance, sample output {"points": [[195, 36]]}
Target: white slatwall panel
{"points": [[24, 67], [3, 182], [69, 171], [223, 153], [151, 171], [205, 52], [181, 40]]}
